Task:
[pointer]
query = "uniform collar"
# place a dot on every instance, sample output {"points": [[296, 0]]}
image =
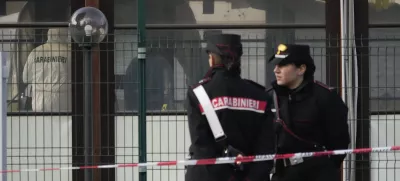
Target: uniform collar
{"points": [[219, 69], [301, 92]]}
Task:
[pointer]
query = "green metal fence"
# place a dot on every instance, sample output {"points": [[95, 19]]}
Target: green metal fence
{"points": [[174, 60]]}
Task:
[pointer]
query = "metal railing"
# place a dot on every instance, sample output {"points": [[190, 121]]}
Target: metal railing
{"points": [[175, 59]]}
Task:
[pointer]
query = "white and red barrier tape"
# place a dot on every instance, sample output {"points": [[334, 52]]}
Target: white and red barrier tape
{"points": [[224, 160]]}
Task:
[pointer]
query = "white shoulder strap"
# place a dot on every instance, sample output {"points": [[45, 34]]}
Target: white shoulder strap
{"points": [[210, 113]]}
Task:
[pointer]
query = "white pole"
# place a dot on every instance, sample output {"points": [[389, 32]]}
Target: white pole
{"points": [[344, 37], [343, 44], [348, 68], [353, 87], [3, 113]]}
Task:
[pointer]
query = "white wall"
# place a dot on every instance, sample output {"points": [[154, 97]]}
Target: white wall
{"points": [[37, 142], [43, 142], [385, 132], [167, 139]]}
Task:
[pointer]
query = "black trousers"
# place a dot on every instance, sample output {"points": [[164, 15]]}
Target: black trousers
{"points": [[221, 172], [313, 169]]}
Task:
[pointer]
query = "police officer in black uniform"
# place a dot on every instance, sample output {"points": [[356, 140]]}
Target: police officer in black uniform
{"points": [[310, 117], [243, 110]]}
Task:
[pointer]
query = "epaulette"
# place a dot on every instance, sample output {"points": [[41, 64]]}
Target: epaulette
{"points": [[255, 83], [323, 85], [201, 82]]}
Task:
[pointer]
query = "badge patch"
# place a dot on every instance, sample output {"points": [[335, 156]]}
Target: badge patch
{"points": [[281, 48]]}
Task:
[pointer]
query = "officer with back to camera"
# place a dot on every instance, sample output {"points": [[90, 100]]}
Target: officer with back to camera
{"points": [[310, 117], [241, 108], [48, 72]]}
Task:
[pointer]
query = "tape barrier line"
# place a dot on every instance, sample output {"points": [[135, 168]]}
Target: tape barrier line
{"points": [[224, 160]]}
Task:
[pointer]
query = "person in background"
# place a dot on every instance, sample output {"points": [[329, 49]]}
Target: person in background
{"points": [[156, 66], [48, 73]]}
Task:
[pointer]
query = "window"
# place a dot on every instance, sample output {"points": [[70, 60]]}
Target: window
{"points": [[384, 66], [231, 11], [383, 11], [384, 57], [20, 42], [180, 54]]}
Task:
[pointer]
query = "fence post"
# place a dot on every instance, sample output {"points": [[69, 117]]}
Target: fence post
{"points": [[88, 112], [142, 84], [3, 113]]}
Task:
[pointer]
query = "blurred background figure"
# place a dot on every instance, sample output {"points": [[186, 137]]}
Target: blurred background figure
{"points": [[48, 73], [157, 76]]}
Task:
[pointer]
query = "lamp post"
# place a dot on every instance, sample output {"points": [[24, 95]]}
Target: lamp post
{"points": [[88, 27]]}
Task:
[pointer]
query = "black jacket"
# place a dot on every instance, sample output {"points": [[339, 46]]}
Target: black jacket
{"points": [[315, 117], [243, 108]]}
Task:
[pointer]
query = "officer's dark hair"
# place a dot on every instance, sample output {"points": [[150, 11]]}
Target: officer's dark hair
{"points": [[234, 67], [231, 60], [310, 70], [229, 48]]}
